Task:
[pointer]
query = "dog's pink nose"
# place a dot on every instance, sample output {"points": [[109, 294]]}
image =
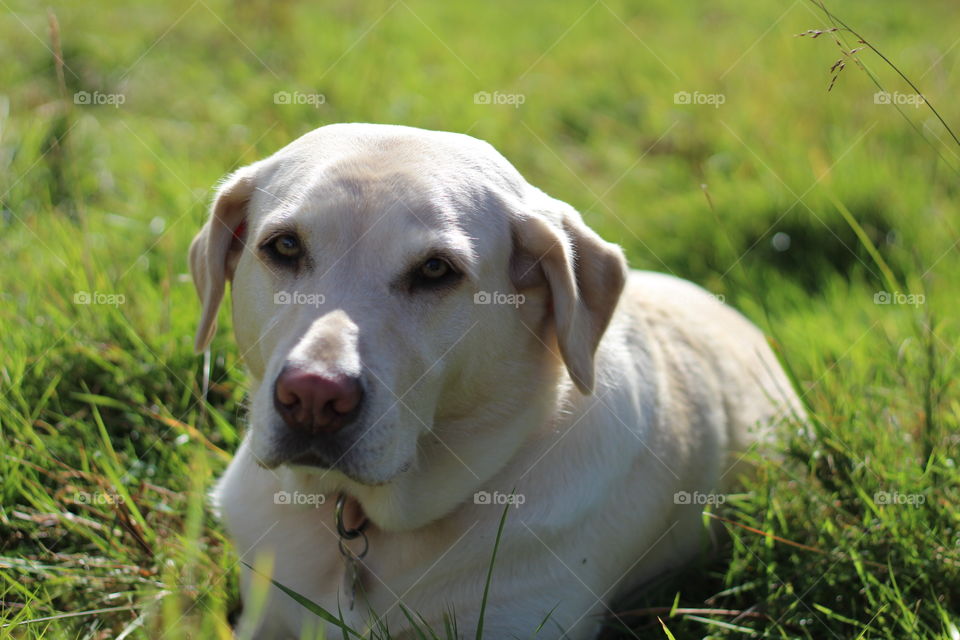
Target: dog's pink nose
{"points": [[315, 403]]}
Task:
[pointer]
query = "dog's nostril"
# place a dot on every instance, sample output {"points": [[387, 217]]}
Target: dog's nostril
{"points": [[315, 402], [286, 394]]}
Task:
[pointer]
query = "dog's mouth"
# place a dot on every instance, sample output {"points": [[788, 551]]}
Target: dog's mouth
{"points": [[333, 456], [308, 459], [299, 456]]}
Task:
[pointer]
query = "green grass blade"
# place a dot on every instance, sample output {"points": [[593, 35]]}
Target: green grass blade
{"points": [[486, 586], [314, 608]]}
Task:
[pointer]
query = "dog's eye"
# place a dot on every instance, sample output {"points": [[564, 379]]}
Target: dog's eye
{"points": [[284, 248], [287, 245], [434, 268], [434, 273]]}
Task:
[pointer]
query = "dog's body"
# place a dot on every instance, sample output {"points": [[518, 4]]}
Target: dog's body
{"points": [[605, 405]]}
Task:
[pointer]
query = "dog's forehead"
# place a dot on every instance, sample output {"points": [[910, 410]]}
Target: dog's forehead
{"points": [[410, 145], [374, 161]]}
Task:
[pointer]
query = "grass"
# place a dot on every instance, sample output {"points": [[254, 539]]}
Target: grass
{"points": [[800, 206]]}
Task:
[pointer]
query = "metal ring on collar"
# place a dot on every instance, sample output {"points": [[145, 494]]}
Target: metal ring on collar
{"points": [[347, 553], [342, 531]]}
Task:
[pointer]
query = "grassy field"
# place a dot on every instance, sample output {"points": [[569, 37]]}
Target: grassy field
{"points": [[700, 136]]}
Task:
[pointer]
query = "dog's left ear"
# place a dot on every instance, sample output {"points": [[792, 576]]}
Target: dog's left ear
{"points": [[216, 247], [584, 273]]}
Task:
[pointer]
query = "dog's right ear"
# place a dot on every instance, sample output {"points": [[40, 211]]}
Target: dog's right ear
{"points": [[216, 248]]}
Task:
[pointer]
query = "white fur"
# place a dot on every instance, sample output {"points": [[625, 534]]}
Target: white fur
{"points": [[466, 397]]}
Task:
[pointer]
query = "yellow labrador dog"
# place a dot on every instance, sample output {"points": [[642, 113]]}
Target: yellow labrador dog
{"points": [[432, 341]]}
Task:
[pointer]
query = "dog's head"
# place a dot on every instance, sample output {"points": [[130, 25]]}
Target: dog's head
{"points": [[396, 291]]}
